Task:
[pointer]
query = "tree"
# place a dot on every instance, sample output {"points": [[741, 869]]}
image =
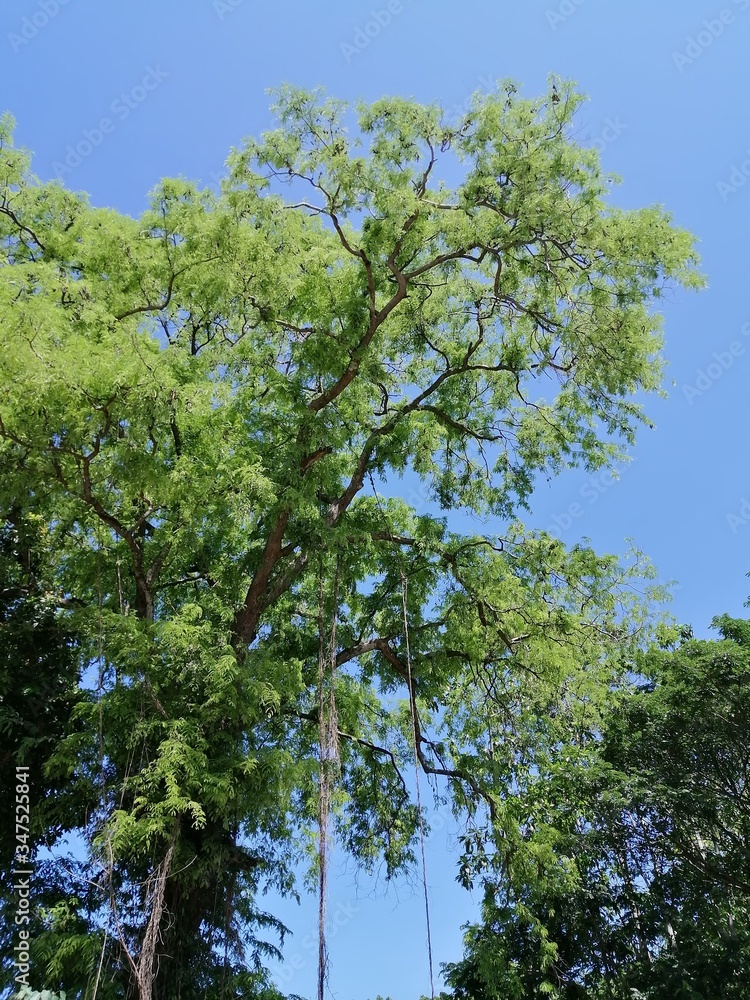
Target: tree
{"points": [[648, 819], [39, 675], [204, 407]]}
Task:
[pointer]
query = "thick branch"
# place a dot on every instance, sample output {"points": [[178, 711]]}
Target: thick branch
{"points": [[247, 619]]}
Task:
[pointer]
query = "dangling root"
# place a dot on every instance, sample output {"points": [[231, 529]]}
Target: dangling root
{"points": [[415, 734], [144, 970], [328, 749]]}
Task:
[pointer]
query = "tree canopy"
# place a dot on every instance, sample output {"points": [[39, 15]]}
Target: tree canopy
{"points": [[207, 416], [645, 893]]}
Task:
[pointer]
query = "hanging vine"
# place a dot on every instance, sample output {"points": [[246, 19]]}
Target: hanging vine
{"points": [[328, 755], [415, 736]]}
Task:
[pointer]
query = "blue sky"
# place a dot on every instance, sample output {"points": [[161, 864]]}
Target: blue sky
{"points": [[180, 81]]}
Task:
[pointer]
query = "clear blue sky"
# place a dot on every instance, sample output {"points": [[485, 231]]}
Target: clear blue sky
{"points": [[183, 80]]}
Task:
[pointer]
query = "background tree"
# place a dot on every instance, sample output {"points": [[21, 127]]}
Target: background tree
{"points": [[200, 406], [39, 677], [648, 820]]}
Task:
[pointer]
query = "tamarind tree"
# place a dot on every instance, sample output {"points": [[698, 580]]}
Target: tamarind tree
{"points": [[208, 414]]}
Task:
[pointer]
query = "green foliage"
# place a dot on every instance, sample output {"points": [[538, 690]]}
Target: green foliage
{"points": [[645, 891], [195, 405], [38, 656], [28, 994]]}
